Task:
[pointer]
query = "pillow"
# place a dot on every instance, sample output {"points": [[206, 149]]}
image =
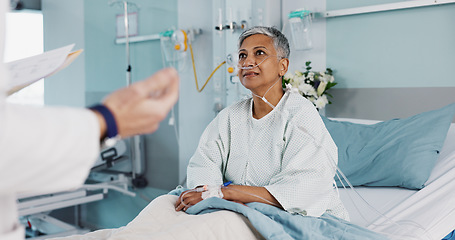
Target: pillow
{"points": [[398, 152], [446, 160]]}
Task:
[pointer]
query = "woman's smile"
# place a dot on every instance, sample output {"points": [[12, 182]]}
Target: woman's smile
{"points": [[250, 74]]}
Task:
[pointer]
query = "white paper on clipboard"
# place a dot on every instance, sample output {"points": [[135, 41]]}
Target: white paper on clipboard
{"points": [[26, 71]]}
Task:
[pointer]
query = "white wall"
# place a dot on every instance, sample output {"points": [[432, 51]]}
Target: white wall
{"points": [[317, 55], [68, 86], [195, 109], [391, 64]]}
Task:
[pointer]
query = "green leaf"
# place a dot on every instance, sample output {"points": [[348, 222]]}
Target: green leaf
{"points": [[308, 63], [331, 84]]}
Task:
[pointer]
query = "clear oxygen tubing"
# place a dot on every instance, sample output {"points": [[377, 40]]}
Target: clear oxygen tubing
{"points": [[193, 63], [225, 185], [195, 74], [202, 189], [423, 235], [186, 192], [278, 206], [256, 196], [255, 66], [338, 172], [263, 97]]}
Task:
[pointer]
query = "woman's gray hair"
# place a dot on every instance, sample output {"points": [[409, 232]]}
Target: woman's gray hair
{"points": [[280, 42]]}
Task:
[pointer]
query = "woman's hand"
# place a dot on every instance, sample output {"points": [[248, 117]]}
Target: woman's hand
{"points": [[187, 199]]}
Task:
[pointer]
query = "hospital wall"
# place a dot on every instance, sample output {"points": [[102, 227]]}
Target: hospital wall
{"points": [[391, 64], [195, 108], [63, 24], [101, 69], [317, 54]]}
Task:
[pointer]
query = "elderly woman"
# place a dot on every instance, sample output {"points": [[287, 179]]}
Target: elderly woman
{"points": [[273, 147]]}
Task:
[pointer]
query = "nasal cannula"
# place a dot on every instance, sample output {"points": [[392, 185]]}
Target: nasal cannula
{"points": [[263, 97], [337, 172], [257, 65]]}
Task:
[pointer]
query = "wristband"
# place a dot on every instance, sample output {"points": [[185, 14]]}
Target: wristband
{"points": [[111, 125]]}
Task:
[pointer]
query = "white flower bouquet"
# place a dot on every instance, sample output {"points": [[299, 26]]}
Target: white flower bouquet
{"points": [[311, 85]]}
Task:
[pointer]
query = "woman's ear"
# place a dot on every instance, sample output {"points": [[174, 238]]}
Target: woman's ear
{"points": [[283, 65]]}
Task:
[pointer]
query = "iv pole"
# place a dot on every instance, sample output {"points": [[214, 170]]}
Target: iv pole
{"points": [[135, 142], [128, 83], [127, 33]]}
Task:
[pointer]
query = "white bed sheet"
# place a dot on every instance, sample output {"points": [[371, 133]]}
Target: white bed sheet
{"points": [[160, 221], [428, 213]]}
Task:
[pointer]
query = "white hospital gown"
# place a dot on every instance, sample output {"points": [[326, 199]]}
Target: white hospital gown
{"points": [[289, 152]]}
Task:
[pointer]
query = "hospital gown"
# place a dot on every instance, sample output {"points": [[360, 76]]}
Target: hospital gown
{"points": [[289, 152]]}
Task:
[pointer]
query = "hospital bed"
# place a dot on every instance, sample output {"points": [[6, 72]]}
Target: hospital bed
{"points": [[35, 208], [428, 213]]}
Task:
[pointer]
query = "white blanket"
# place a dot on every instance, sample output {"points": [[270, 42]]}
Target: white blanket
{"points": [[160, 221], [429, 213]]}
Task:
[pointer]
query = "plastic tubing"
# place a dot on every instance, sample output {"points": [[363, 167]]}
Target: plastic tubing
{"points": [[256, 196], [225, 185], [195, 74], [263, 97], [255, 66], [198, 189], [338, 170]]}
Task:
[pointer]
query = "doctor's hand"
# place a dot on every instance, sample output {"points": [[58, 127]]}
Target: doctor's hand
{"points": [[187, 199], [139, 108]]}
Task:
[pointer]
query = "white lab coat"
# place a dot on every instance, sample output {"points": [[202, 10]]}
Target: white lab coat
{"points": [[41, 149]]}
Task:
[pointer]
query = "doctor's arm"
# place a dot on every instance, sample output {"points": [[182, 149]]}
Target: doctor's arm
{"points": [[50, 149], [140, 108]]}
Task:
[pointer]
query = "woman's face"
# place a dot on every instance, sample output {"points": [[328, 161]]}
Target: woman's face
{"points": [[259, 49]]}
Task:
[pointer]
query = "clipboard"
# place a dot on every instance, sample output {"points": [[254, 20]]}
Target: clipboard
{"points": [[26, 71]]}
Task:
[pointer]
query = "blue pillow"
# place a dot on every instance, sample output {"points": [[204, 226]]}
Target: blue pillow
{"points": [[398, 152]]}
